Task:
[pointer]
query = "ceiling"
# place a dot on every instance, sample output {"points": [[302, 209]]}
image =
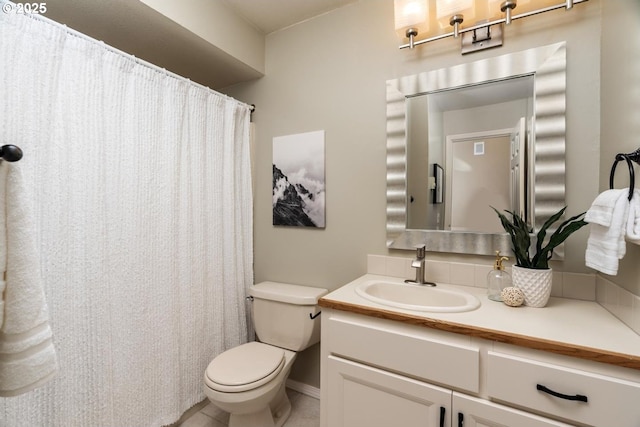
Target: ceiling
{"points": [[475, 96], [273, 15], [140, 30]]}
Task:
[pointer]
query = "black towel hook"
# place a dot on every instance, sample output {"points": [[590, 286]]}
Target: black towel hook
{"points": [[10, 153], [629, 158]]}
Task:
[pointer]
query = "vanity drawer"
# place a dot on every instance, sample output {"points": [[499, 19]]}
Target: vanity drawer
{"points": [[609, 401], [405, 350]]}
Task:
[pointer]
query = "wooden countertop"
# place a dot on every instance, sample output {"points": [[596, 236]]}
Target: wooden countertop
{"points": [[581, 329]]}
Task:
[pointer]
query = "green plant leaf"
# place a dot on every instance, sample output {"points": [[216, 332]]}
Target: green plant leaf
{"points": [[520, 238], [542, 234], [565, 230], [520, 234]]}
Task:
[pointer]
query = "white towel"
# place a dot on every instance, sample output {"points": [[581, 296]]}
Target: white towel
{"points": [[633, 222], [27, 356], [601, 210], [606, 244]]}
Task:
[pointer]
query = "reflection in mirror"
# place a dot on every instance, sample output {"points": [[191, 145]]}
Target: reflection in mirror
{"points": [[476, 137], [480, 134]]}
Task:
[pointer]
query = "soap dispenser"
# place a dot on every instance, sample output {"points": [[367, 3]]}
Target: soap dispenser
{"points": [[498, 279]]}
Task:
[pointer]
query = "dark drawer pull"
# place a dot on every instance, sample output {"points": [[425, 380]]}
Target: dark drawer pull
{"points": [[577, 397], [442, 412], [460, 419]]}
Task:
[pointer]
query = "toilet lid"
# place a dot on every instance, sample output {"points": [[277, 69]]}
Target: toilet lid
{"points": [[245, 367]]}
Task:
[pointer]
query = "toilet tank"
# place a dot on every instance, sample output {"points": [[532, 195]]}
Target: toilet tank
{"points": [[282, 314]]}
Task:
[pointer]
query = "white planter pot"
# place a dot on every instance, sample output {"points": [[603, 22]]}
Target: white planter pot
{"points": [[534, 283]]}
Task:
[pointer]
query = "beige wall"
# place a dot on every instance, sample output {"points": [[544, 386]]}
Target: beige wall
{"points": [[420, 206], [329, 73], [620, 112], [218, 24]]}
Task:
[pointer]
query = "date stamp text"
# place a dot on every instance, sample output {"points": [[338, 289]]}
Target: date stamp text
{"points": [[25, 8]]}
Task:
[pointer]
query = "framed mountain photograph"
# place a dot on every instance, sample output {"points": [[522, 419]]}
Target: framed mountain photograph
{"points": [[298, 180]]}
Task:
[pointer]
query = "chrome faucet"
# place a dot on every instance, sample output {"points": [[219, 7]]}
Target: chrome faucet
{"points": [[418, 264]]}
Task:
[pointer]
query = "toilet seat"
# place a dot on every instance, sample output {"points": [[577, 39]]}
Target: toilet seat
{"points": [[244, 367]]}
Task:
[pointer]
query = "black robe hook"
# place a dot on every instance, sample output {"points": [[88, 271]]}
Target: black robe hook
{"points": [[10, 153]]}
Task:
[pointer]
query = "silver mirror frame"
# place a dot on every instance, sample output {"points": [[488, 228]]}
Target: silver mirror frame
{"points": [[548, 66]]}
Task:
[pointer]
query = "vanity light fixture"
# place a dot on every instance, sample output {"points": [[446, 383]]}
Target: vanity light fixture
{"points": [[454, 12], [431, 17], [411, 18]]}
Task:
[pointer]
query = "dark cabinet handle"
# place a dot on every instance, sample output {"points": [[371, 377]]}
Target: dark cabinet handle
{"points": [[578, 397], [460, 419], [442, 411]]}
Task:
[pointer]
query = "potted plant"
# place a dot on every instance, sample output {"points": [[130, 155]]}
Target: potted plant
{"points": [[532, 273]]}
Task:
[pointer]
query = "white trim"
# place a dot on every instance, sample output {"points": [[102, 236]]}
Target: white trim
{"points": [[303, 388]]}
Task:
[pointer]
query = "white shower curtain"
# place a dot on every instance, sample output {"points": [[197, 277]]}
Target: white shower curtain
{"points": [[142, 193]]}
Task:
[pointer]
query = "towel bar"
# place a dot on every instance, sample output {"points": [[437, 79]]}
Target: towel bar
{"points": [[629, 158], [10, 153]]}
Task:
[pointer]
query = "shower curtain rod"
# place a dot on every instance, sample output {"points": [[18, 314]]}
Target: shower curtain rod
{"points": [[137, 60]]}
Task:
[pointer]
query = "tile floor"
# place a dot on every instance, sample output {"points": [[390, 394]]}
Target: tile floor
{"points": [[305, 412]]}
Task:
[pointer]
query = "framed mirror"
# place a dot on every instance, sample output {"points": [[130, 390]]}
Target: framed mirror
{"points": [[464, 138]]}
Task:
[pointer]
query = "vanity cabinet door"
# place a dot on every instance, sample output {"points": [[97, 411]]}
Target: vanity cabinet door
{"points": [[361, 395], [472, 412]]}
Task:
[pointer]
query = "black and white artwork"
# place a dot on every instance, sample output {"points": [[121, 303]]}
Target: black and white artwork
{"points": [[298, 180]]}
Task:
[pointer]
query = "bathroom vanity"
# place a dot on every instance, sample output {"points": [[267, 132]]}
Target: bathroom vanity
{"points": [[570, 363]]}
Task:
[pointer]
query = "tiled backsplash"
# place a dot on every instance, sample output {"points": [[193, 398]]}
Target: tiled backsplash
{"points": [[566, 285], [620, 302], [589, 287]]}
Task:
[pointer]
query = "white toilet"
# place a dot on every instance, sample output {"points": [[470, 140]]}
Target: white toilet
{"points": [[248, 381]]}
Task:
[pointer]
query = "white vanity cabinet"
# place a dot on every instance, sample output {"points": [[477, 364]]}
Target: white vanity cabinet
{"points": [[470, 411], [361, 395], [579, 395], [382, 373]]}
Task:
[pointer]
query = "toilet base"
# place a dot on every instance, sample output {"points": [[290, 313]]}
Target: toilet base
{"points": [[273, 415]]}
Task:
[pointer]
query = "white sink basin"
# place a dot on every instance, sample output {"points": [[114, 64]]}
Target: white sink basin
{"points": [[416, 297]]}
